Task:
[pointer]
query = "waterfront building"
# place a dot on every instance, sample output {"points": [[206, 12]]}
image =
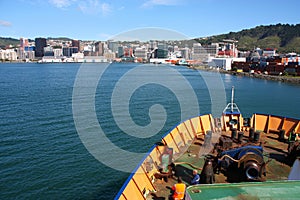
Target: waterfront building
{"points": [[78, 57], [212, 49], [254, 56], [224, 63], [29, 55], [68, 51], [40, 43], [76, 43], [228, 49], [48, 51], [99, 48], [128, 52], [140, 53], [269, 52], [152, 45], [21, 53], [23, 42], [51, 59], [176, 48], [8, 55], [120, 51], [29, 52], [113, 46], [88, 49], [199, 53], [57, 53], [185, 53], [110, 56], [29, 48], [161, 51]]}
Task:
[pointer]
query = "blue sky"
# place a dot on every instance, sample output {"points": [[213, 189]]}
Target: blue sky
{"points": [[103, 19]]}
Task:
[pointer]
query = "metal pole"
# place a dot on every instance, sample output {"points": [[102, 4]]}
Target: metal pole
{"points": [[232, 94]]}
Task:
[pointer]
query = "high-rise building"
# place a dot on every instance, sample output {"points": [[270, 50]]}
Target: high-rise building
{"points": [[152, 44], [120, 51], [113, 45], [40, 43], [99, 48], [23, 43], [76, 43]]}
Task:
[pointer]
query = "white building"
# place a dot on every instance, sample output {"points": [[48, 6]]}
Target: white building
{"points": [[269, 52], [140, 52], [8, 54], [51, 59], [78, 57], [30, 55], [199, 53], [185, 53], [224, 63], [57, 52], [21, 54]]}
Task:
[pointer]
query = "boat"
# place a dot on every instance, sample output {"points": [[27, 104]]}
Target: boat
{"points": [[236, 157]]}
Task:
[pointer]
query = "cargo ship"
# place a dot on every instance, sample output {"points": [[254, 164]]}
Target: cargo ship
{"points": [[236, 158]]}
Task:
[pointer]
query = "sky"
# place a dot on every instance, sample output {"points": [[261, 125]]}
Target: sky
{"points": [[107, 19]]}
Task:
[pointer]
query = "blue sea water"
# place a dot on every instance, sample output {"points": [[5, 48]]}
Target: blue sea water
{"points": [[42, 155]]}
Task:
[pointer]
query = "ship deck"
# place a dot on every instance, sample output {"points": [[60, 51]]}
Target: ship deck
{"points": [[261, 190], [275, 152]]}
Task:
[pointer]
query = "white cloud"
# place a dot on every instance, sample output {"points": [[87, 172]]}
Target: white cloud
{"points": [[92, 7], [95, 7], [105, 8], [61, 3], [151, 3], [5, 23]]}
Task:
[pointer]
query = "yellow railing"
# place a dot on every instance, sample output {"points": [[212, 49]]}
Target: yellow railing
{"points": [[140, 183], [272, 123]]}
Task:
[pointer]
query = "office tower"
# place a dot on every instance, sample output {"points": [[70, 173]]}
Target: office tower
{"points": [[76, 43], [40, 43]]}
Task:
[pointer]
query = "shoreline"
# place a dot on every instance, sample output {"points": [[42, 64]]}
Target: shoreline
{"points": [[284, 79]]}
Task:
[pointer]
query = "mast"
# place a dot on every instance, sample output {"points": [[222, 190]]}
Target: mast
{"points": [[231, 106], [232, 95]]}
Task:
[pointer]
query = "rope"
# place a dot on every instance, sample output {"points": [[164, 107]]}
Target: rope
{"points": [[229, 158]]}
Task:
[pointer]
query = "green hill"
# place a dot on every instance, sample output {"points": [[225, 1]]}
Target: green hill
{"points": [[5, 42], [59, 38], [284, 37]]}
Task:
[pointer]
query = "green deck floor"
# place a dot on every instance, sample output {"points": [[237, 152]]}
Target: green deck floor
{"points": [[258, 190]]}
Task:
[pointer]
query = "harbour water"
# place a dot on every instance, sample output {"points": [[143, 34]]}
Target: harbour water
{"points": [[42, 155]]}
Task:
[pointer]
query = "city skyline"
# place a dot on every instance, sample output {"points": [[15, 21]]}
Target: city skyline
{"points": [[104, 20]]}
